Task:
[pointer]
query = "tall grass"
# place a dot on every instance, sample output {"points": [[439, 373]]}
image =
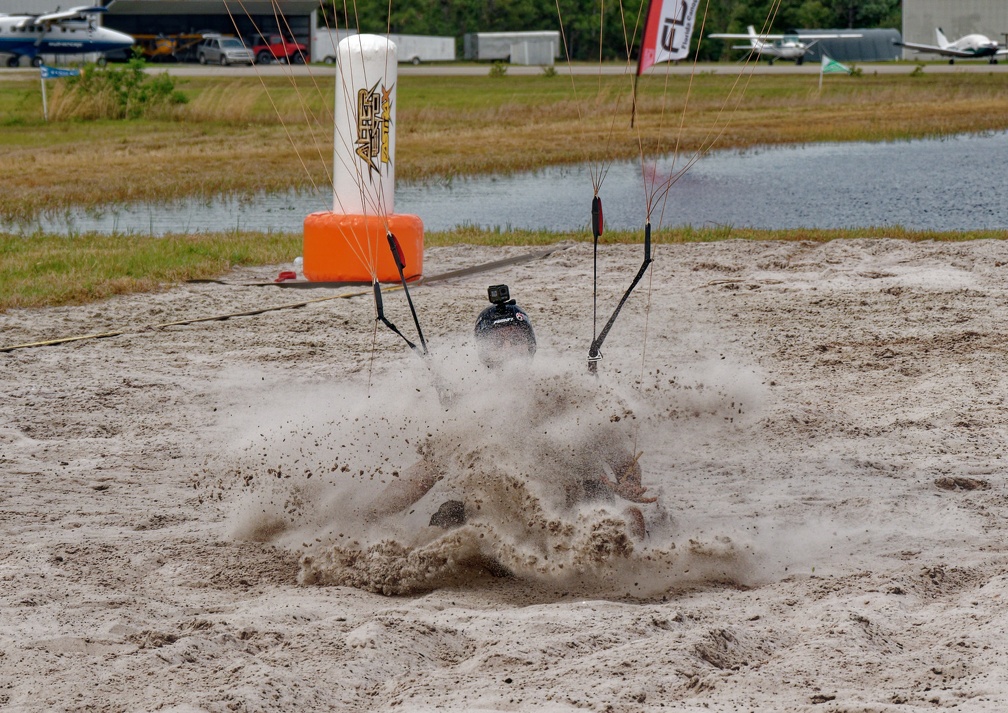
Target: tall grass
{"points": [[116, 93], [241, 136], [244, 135]]}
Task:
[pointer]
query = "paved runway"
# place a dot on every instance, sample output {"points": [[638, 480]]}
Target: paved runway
{"points": [[469, 69]]}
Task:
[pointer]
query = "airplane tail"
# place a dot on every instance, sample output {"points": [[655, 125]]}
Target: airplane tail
{"points": [[753, 41], [940, 36]]}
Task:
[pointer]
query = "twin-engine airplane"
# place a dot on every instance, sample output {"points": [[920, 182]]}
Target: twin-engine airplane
{"points": [[72, 31], [966, 47], [792, 46]]}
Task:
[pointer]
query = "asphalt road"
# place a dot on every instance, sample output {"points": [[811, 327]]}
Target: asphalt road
{"points": [[471, 70]]}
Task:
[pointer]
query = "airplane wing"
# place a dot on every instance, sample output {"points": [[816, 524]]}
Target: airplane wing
{"points": [[799, 35], [743, 36], [826, 36], [68, 14], [945, 51]]}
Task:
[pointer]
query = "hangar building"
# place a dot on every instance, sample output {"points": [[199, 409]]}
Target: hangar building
{"points": [[873, 46], [251, 17], [956, 18], [173, 17]]}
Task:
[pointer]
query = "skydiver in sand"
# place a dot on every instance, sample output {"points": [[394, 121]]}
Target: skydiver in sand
{"points": [[503, 335]]}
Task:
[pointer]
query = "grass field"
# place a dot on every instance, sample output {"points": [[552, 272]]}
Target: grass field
{"points": [[240, 136], [41, 269], [229, 138]]}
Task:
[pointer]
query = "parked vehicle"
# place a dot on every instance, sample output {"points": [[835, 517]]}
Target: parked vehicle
{"points": [[540, 47], [423, 48], [167, 48], [224, 51], [411, 48], [274, 48], [325, 42]]}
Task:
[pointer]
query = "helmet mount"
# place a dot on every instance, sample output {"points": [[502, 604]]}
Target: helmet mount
{"points": [[503, 330]]}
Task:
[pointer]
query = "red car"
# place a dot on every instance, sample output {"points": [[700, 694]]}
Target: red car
{"points": [[274, 48]]}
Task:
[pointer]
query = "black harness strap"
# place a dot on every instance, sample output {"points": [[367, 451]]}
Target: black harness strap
{"points": [[595, 353], [598, 224], [384, 320], [400, 262]]}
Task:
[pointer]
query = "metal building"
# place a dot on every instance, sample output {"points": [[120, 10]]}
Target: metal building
{"points": [[956, 18], [872, 46], [291, 18], [175, 17], [26, 7]]}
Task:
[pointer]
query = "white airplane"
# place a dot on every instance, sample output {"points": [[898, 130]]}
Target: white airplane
{"points": [[72, 31], [792, 46], [967, 47]]}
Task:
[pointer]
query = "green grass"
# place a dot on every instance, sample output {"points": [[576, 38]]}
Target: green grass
{"points": [[239, 136], [43, 270], [229, 139], [690, 234]]}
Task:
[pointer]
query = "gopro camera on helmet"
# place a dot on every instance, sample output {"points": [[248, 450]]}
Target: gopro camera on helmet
{"points": [[498, 294], [503, 330]]}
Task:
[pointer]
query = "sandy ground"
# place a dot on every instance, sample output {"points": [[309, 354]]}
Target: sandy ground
{"points": [[185, 509]]}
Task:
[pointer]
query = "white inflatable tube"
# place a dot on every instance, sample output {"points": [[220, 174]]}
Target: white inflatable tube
{"points": [[364, 149]]}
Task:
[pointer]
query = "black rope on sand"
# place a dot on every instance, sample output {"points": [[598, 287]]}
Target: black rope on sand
{"points": [[485, 267]]}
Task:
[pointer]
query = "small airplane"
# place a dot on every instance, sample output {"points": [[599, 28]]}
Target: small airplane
{"points": [[791, 46], [966, 47], [72, 31]]}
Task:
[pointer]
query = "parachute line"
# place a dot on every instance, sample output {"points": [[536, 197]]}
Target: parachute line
{"points": [[379, 307], [397, 255], [656, 188], [595, 352], [262, 82]]}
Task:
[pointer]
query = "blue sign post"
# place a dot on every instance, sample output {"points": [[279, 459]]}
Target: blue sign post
{"points": [[53, 73]]}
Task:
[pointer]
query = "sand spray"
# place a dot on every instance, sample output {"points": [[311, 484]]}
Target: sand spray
{"points": [[514, 445]]}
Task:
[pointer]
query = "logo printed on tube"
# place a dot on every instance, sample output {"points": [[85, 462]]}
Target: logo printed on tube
{"points": [[374, 117]]}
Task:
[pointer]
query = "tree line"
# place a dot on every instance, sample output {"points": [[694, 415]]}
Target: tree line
{"points": [[589, 39]]}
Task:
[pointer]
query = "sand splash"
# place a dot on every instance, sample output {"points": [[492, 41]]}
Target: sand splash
{"points": [[519, 449]]}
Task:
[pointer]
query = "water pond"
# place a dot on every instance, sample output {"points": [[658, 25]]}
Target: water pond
{"points": [[954, 183]]}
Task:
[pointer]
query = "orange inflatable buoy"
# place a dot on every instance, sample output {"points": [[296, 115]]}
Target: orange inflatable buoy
{"points": [[354, 248]]}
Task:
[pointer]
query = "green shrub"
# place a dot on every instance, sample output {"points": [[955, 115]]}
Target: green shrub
{"points": [[498, 69], [117, 93]]}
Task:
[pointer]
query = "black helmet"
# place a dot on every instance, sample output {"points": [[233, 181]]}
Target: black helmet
{"points": [[503, 330]]}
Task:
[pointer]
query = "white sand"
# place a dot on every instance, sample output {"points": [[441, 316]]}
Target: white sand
{"points": [[824, 425]]}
